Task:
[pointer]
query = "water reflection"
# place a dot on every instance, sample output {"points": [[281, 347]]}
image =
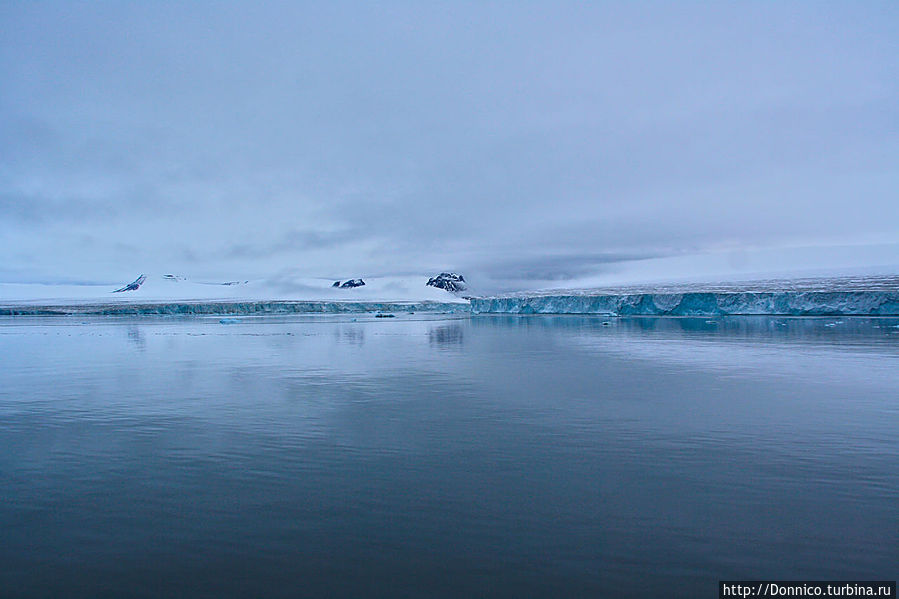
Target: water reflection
{"points": [[542, 456], [447, 335], [350, 334], [826, 330], [136, 337]]}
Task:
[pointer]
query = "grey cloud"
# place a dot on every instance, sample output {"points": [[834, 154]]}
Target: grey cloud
{"points": [[35, 210], [556, 268], [532, 142], [291, 241]]}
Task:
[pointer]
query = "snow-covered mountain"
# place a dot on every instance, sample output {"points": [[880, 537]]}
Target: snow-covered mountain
{"points": [[448, 281], [156, 287]]}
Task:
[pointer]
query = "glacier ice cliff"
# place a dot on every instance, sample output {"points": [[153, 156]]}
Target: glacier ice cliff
{"points": [[865, 296], [864, 303], [229, 308], [787, 303]]}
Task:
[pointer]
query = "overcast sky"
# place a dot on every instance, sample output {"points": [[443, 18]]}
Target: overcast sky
{"points": [[512, 141]]}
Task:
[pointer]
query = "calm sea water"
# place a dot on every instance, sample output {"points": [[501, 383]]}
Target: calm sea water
{"points": [[424, 456]]}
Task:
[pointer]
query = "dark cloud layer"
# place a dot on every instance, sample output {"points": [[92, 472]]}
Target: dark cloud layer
{"points": [[538, 141]]}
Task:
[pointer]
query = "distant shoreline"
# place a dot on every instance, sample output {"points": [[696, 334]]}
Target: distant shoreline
{"points": [[229, 308], [845, 296], [803, 303]]}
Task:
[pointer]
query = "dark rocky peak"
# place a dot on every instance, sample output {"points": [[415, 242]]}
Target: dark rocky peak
{"points": [[133, 285], [448, 281], [349, 284]]}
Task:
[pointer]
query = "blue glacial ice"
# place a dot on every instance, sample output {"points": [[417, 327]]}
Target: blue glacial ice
{"points": [[227, 308], [872, 296], [698, 304], [868, 296]]}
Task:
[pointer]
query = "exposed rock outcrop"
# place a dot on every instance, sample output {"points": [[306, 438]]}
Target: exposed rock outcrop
{"points": [[133, 285], [349, 284], [448, 281]]}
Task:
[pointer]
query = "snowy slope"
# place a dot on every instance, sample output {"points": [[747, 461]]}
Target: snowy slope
{"points": [[870, 296], [160, 289]]}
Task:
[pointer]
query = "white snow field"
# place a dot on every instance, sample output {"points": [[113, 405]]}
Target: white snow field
{"points": [[160, 295], [836, 296]]}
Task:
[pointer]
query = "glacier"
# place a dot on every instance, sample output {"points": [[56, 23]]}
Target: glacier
{"points": [[864, 303], [231, 308], [866, 296], [847, 296]]}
